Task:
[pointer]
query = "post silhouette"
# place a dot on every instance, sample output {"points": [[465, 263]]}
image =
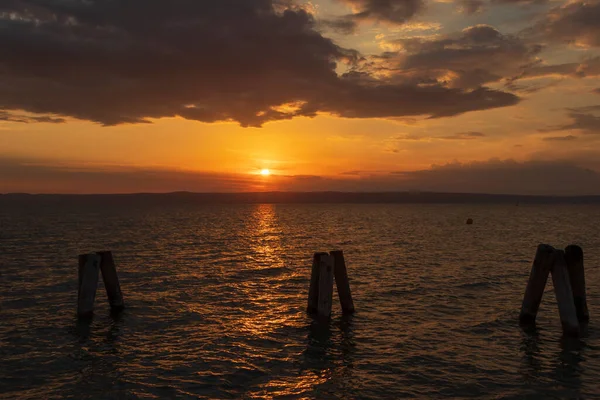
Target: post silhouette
{"points": [[313, 290], [111, 281], [564, 294], [574, 259], [542, 264], [89, 268], [325, 285], [325, 268], [341, 281]]}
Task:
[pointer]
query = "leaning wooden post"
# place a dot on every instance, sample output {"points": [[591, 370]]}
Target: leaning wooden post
{"points": [[542, 264], [111, 281], [341, 280], [325, 285], [574, 259], [89, 268], [313, 290], [564, 294]]}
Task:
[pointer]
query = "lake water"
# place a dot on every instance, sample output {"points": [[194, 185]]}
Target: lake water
{"points": [[216, 298]]}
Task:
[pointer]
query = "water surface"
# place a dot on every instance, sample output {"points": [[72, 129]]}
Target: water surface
{"points": [[216, 299]]}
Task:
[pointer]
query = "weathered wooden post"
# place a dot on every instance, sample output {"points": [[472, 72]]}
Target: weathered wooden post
{"points": [[325, 285], [341, 280], [320, 293], [542, 264], [564, 294], [574, 259], [313, 291], [111, 281], [89, 268]]}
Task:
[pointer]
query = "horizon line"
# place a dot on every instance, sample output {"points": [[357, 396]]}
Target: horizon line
{"points": [[319, 192]]}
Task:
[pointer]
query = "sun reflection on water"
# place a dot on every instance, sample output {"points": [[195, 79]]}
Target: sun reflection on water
{"points": [[270, 313], [269, 309], [266, 246], [290, 386]]}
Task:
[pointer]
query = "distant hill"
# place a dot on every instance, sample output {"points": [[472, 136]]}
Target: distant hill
{"points": [[297, 197]]}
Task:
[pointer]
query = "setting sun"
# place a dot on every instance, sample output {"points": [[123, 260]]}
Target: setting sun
{"points": [[265, 172]]}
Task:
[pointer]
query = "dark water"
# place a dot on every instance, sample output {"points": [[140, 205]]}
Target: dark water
{"points": [[216, 299]]}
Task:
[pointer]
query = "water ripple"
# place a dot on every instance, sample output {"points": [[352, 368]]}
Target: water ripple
{"points": [[216, 300]]}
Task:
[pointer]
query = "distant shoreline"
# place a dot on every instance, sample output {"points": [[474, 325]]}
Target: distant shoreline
{"points": [[309, 198]]}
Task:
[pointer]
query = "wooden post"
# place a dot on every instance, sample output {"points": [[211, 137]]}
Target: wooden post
{"points": [[564, 294], [313, 290], [574, 259], [341, 280], [325, 285], [89, 266], [111, 281], [542, 264]]}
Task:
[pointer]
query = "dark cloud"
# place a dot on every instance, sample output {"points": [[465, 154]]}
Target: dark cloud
{"points": [[454, 136], [530, 88], [118, 62], [580, 154], [588, 123], [584, 119], [464, 136], [471, 7], [394, 11], [477, 56], [549, 70], [494, 176], [589, 67], [586, 109], [575, 22], [39, 176], [560, 138], [508, 177], [520, 2], [343, 25], [19, 117]]}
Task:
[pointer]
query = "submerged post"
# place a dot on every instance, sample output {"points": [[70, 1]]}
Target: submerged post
{"points": [[341, 280], [574, 259], [325, 285], [564, 294], [89, 268], [111, 281], [313, 290], [542, 264]]}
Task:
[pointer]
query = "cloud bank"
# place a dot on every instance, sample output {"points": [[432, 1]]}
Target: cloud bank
{"points": [[476, 56], [393, 11], [493, 177], [249, 61], [575, 23], [583, 119]]}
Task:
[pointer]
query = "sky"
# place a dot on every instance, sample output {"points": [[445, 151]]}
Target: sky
{"points": [[122, 96]]}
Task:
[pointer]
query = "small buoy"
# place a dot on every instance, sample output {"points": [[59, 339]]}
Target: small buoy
{"points": [[470, 221]]}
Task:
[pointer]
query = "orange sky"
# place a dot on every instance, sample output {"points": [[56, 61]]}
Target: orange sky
{"points": [[554, 122]]}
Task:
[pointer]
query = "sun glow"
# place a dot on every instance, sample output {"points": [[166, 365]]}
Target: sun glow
{"points": [[265, 172]]}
